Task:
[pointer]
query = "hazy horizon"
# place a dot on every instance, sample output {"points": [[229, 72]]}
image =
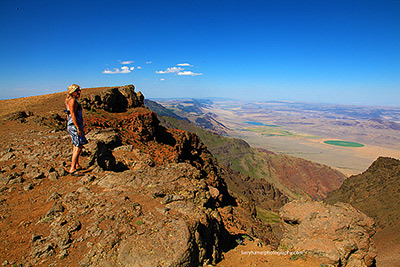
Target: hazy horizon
{"points": [[224, 98], [304, 51]]}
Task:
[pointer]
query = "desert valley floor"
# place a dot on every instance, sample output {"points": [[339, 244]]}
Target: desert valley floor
{"points": [[300, 129]]}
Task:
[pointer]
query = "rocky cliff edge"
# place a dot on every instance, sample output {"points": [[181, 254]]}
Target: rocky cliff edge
{"points": [[149, 196]]}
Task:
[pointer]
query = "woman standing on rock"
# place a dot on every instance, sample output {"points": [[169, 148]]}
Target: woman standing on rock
{"points": [[75, 126]]}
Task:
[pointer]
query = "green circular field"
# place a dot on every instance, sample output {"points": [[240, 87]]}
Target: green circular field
{"points": [[343, 143]]}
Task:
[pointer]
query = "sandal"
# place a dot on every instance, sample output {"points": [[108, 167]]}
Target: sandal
{"points": [[76, 173]]}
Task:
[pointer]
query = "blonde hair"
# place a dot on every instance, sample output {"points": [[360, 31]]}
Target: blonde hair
{"points": [[71, 89]]}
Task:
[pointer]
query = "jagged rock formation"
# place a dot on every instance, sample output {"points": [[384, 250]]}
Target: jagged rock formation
{"points": [[338, 234], [18, 116], [117, 99]]}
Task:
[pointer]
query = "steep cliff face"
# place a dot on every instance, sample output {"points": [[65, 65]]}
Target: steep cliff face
{"points": [[150, 196], [302, 177]]}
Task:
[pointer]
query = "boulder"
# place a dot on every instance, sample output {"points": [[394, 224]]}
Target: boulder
{"points": [[101, 143], [338, 234]]}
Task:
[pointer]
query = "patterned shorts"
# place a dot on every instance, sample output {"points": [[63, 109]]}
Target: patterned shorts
{"points": [[76, 140]]}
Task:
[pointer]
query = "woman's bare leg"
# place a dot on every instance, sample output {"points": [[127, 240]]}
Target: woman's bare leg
{"points": [[76, 151], [77, 165]]}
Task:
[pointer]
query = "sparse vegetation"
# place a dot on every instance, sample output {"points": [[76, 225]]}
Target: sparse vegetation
{"points": [[267, 216], [295, 257], [96, 112]]}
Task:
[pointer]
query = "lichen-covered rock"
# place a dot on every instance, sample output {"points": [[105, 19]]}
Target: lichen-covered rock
{"points": [[338, 234]]}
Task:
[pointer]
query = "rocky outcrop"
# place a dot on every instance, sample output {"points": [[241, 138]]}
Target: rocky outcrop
{"points": [[117, 99], [52, 120], [142, 131], [143, 124], [338, 234]]}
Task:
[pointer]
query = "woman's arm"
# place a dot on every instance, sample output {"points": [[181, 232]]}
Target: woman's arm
{"points": [[72, 105]]}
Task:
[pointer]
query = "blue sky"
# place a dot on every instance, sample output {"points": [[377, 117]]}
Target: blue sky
{"points": [[306, 50]]}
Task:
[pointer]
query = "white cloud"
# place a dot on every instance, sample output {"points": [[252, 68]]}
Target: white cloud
{"points": [[189, 73], [126, 62], [139, 68], [184, 65], [123, 69], [149, 62], [162, 79], [170, 70], [132, 68]]}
